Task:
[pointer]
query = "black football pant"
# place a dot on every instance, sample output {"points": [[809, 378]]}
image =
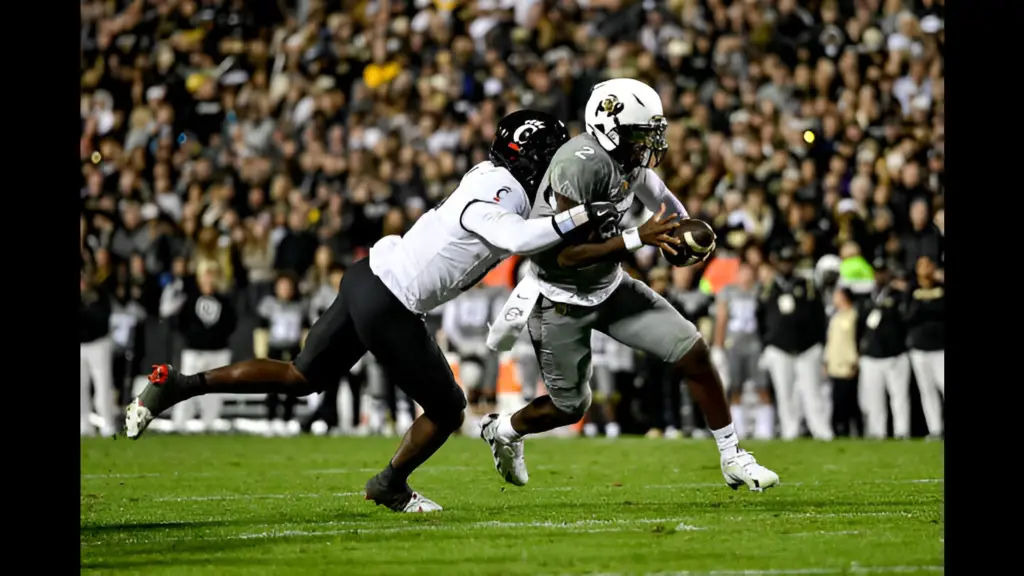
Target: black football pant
{"points": [[366, 316]]}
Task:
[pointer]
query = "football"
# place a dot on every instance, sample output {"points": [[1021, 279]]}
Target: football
{"points": [[697, 240]]}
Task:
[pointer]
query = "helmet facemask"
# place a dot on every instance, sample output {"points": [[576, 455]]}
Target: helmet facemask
{"points": [[642, 145]]}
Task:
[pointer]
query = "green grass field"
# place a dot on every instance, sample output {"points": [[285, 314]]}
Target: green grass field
{"points": [[246, 505]]}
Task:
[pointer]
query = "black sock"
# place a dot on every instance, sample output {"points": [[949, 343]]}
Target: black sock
{"points": [[393, 478], [193, 382]]}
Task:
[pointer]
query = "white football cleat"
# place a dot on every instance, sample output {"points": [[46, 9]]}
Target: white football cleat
{"points": [[509, 460], [419, 503], [137, 419], [743, 469]]}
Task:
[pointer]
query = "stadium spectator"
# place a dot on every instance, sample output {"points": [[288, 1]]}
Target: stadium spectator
{"points": [[884, 365], [841, 360], [791, 322], [135, 296], [926, 337], [284, 316], [205, 319], [923, 239], [96, 360], [314, 120]]}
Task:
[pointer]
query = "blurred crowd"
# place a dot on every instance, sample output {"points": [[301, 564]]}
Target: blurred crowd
{"points": [[237, 154]]}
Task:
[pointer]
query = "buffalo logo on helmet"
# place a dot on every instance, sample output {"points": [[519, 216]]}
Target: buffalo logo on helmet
{"points": [[611, 106]]}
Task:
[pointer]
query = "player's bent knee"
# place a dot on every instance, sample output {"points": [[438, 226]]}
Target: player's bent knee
{"points": [[573, 407], [696, 360], [449, 414]]}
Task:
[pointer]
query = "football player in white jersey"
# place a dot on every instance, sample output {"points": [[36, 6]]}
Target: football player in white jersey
{"points": [[383, 298]]}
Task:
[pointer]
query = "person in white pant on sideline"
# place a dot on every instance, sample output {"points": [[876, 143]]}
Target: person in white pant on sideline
{"points": [[884, 365], [791, 323], [926, 335], [206, 321], [96, 361]]}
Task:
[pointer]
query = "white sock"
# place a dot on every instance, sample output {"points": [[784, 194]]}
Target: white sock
{"points": [[739, 420], [727, 440], [764, 422], [505, 430]]}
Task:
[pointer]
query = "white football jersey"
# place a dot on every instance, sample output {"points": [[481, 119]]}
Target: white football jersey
{"points": [[438, 258]]}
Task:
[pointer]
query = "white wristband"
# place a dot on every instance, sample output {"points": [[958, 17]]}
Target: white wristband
{"points": [[631, 237]]}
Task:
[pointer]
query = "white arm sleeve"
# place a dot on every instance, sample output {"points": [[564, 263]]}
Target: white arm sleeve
{"points": [[509, 231], [652, 192]]}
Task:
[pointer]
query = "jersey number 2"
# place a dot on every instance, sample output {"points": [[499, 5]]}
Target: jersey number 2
{"points": [[584, 152]]}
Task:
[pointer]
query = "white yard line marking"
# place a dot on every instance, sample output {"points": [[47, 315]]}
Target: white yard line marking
{"points": [[827, 533], [589, 525], [374, 470], [851, 515], [560, 489], [255, 497], [374, 528], [784, 484], [427, 470], [95, 476], [855, 569]]}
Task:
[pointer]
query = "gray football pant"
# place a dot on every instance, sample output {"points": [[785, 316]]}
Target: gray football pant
{"points": [[798, 391], [633, 315]]}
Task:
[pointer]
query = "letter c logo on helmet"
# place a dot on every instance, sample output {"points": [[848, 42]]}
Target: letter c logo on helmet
{"points": [[523, 133]]}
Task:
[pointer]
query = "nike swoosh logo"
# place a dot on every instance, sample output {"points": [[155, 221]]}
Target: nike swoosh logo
{"points": [[521, 297]]}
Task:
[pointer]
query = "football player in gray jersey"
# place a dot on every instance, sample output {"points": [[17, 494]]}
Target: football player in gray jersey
{"points": [[583, 287]]}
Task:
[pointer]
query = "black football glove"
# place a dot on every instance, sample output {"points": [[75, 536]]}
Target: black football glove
{"points": [[603, 218]]}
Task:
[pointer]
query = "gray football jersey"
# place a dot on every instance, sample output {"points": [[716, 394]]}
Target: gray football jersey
{"points": [[581, 171]]}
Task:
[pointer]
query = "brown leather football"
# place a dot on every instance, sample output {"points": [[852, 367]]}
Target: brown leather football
{"points": [[698, 240]]}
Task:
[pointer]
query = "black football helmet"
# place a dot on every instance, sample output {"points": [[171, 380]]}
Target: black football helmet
{"points": [[524, 143]]}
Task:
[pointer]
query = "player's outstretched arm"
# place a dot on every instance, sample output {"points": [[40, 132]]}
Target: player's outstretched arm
{"points": [[655, 232], [652, 192], [509, 231]]}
